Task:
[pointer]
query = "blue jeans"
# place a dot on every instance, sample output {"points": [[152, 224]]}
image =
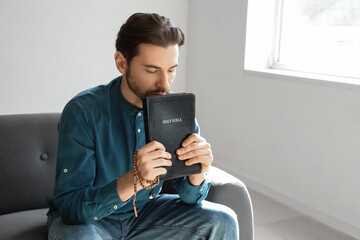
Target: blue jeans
{"points": [[164, 217]]}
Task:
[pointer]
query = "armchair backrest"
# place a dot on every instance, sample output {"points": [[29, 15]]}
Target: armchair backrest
{"points": [[28, 147]]}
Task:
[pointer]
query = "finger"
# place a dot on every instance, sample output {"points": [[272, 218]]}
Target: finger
{"points": [[204, 160], [152, 146], [159, 154], [160, 171], [192, 138], [147, 162], [192, 147], [160, 163], [150, 175], [149, 168], [195, 153]]}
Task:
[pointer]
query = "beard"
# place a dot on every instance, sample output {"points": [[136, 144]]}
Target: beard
{"points": [[136, 89]]}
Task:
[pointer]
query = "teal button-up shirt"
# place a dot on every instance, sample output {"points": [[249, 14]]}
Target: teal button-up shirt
{"points": [[99, 132]]}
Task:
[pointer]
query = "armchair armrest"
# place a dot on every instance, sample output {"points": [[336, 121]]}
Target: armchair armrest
{"points": [[230, 191]]}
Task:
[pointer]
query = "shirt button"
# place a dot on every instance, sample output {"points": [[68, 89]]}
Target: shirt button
{"points": [[201, 189], [139, 130], [139, 114], [115, 207], [95, 218], [65, 170]]}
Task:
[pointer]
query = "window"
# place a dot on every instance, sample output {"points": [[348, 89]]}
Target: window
{"points": [[312, 36], [320, 36]]}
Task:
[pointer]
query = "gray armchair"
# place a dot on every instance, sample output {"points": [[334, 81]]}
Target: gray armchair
{"points": [[28, 146]]}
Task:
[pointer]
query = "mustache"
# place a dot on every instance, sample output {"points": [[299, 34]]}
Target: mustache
{"points": [[158, 91]]}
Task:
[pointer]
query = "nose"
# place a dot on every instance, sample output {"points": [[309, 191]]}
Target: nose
{"points": [[164, 82]]}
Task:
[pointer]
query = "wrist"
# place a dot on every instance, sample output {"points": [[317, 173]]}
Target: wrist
{"points": [[135, 181], [125, 186], [196, 179]]}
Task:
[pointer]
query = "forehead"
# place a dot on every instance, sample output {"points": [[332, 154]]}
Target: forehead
{"points": [[157, 55]]}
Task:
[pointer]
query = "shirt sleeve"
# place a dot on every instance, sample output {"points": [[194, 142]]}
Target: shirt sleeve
{"points": [[191, 194], [75, 197], [188, 193]]}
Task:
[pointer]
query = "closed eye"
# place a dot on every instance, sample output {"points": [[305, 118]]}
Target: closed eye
{"points": [[173, 68], [151, 70], [154, 69]]}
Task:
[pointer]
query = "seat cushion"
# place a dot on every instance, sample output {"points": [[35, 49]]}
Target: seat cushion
{"points": [[26, 225]]}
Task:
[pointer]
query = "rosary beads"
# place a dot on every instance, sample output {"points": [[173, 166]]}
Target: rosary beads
{"points": [[138, 177]]}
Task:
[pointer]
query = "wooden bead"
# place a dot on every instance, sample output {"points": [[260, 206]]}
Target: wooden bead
{"points": [[138, 177]]}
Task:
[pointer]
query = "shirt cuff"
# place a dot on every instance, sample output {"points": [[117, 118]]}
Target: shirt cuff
{"points": [[109, 202], [192, 194]]}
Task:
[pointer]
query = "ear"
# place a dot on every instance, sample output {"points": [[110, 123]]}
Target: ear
{"points": [[121, 62]]}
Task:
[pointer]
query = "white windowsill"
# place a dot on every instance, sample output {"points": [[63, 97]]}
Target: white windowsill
{"points": [[285, 74]]}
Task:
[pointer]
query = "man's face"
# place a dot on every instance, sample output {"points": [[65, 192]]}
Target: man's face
{"points": [[152, 71]]}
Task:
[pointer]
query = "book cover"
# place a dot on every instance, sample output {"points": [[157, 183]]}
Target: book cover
{"points": [[170, 119]]}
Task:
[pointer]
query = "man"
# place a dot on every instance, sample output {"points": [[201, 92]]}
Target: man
{"points": [[101, 132]]}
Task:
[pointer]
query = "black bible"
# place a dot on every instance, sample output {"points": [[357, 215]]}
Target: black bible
{"points": [[170, 119]]}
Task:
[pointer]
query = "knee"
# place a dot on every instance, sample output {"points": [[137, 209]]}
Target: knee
{"points": [[225, 217], [57, 230], [224, 223]]}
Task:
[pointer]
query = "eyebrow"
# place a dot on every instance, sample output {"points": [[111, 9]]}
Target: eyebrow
{"points": [[157, 67]]}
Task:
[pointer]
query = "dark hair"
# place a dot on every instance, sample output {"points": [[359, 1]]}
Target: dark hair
{"points": [[146, 28]]}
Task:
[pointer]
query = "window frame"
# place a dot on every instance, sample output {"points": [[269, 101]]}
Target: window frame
{"points": [[271, 63]]}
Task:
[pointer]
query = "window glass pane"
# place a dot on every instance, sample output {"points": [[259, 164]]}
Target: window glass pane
{"points": [[321, 36]]}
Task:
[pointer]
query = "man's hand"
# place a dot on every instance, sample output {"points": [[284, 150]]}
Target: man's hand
{"points": [[194, 150], [151, 159]]}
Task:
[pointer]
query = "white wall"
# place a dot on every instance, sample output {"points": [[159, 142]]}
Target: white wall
{"points": [[293, 139], [51, 50]]}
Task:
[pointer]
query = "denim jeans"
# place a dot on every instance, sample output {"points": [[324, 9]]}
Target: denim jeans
{"points": [[164, 217]]}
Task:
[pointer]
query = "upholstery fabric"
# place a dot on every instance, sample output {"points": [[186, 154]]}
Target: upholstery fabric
{"points": [[27, 160], [28, 147], [29, 225]]}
